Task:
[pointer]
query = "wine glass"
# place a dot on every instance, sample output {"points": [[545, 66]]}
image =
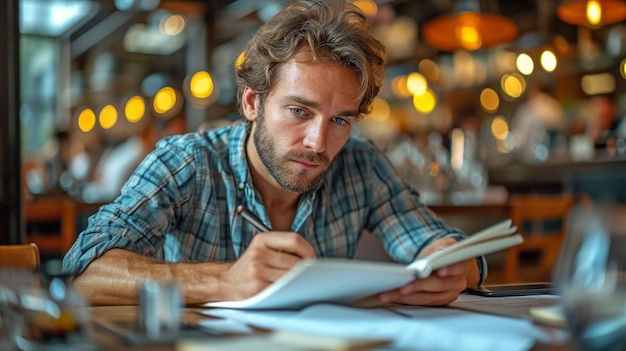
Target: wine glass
{"points": [[41, 313], [591, 276]]}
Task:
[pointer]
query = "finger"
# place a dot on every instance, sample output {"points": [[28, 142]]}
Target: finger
{"points": [[281, 260], [259, 256], [425, 298], [256, 274], [451, 270], [430, 291], [289, 242], [439, 244], [435, 284], [270, 273]]}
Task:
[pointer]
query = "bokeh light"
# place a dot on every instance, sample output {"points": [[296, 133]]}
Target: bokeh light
{"points": [[425, 103], [108, 117], [512, 85], [525, 64], [430, 69], [172, 25], [369, 7], [468, 37], [548, 61], [135, 109], [499, 128], [593, 12], [416, 83], [489, 100], [201, 85], [380, 110], [399, 87], [86, 120], [164, 100]]}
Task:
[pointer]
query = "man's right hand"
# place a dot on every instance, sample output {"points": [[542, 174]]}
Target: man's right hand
{"points": [[269, 256], [115, 277]]}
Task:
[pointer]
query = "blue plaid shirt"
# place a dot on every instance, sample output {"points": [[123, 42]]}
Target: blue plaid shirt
{"points": [[179, 205]]}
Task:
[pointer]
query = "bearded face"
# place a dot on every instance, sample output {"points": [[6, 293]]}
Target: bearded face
{"points": [[280, 164]]}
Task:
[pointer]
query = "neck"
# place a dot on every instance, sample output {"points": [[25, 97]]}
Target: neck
{"points": [[280, 204]]}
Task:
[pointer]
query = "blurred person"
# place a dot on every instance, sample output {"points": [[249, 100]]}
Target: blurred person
{"points": [[621, 116], [307, 77], [119, 160], [537, 123], [603, 123], [468, 176]]}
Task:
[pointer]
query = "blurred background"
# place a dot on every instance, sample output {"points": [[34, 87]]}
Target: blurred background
{"points": [[482, 99]]}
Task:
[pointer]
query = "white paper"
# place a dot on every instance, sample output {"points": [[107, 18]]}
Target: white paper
{"points": [[408, 328], [346, 281], [491, 239], [336, 280], [227, 326], [512, 306]]}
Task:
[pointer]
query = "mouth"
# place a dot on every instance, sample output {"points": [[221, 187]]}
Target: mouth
{"points": [[306, 164]]}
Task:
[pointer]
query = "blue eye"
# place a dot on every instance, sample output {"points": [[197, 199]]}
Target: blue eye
{"points": [[341, 121], [297, 111]]}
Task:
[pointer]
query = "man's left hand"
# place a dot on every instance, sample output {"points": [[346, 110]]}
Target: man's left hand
{"points": [[440, 288]]}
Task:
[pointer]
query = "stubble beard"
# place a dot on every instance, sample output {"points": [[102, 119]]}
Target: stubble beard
{"points": [[277, 165]]}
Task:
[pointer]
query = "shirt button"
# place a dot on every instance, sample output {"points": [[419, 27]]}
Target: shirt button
{"points": [[242, 185]]}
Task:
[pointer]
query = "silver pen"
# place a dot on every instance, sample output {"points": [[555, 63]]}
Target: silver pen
{"points": [[252, 218]]}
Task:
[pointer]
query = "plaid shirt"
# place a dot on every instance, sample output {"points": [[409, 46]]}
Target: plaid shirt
{"points": [[179, 205]]}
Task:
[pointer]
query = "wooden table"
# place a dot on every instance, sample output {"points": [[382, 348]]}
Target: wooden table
{"points": [[126, 314], [129, 314]]}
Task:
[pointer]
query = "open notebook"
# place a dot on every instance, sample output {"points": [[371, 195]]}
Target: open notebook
{"points": [[346, 281]]}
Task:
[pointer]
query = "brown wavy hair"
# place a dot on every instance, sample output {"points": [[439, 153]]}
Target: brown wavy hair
{"points": [[333, 31]]}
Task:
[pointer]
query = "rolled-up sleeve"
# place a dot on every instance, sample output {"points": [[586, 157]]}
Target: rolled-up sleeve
{"points": [[141, 216]]}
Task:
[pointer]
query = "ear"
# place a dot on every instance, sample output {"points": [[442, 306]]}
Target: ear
{"points": [[249, 104]]}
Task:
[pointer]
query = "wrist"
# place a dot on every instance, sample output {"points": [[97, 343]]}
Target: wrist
{"points": [[201, 282], [483, 270]]}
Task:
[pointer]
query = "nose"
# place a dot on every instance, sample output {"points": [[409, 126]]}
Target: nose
{"points": [[316, 136]]}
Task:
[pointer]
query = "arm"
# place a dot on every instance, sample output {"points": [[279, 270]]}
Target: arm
{"points": [[441, 287], [406, 228], [115, 277]]}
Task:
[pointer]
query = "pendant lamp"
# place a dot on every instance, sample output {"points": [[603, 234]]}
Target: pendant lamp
{"points": [[469, 30], [592, 13]]}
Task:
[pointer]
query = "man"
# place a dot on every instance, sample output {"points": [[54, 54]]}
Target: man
{"points": [[537, 124], [306, 77]]}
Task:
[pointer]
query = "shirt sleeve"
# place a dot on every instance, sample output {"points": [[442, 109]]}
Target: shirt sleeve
{"points": [[148, 207]]}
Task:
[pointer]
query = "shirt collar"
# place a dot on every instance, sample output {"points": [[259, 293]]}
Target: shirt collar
{"points": [[237, 153]]}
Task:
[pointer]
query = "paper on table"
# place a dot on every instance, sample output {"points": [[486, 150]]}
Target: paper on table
{"points": [[551, 315], [538, 308], [280, 341], [408, 328], [511, 306], [227, 326]]}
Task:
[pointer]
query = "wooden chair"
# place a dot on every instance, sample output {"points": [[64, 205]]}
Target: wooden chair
{"points": [[23, 256], [55, 209], [543, 222]]}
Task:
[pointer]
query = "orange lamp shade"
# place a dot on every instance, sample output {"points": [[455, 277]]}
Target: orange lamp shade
{"points": [[594, 13], [469, 31]]}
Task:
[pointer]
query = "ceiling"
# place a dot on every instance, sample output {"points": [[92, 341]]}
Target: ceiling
{"points": [[529, 15], [230, 19], [230, 23]]}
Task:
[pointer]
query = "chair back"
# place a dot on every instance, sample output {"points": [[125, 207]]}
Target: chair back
{"points": [[24, 256], [542, 220]]}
